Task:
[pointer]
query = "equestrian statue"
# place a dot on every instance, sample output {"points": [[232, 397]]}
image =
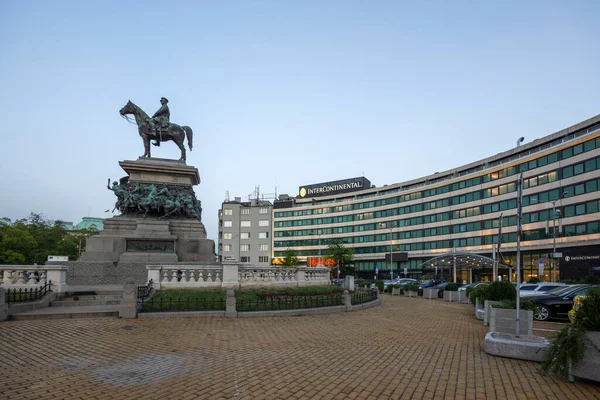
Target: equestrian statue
{"points": [[158, 128]]}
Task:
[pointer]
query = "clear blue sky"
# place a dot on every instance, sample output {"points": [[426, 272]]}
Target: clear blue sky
{"points": [[279, 93]]}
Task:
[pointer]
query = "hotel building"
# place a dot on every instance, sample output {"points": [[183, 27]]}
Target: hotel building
{"points": [[464, 210]]}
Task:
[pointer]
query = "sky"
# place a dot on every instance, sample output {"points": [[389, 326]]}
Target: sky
{"points": [[280, 94]]}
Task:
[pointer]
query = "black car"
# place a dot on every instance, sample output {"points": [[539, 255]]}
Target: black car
{"points": [[440, 288], [558, 302]]}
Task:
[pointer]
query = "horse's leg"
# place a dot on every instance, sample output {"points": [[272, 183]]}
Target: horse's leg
{"points": [[178, 139]]}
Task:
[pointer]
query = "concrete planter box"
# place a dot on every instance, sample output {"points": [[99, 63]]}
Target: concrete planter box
{"points": [[589, 367], [430, 293], [525, 347], [479, 311], [396, 291], [453, 296], [411, 293], [486, 311], [504, 320]]}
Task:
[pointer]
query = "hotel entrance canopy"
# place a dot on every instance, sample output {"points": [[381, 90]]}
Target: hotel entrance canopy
{"points": [[462, 261]]}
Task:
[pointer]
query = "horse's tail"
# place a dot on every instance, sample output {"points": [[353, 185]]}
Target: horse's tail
{"points": [[190, 136]]}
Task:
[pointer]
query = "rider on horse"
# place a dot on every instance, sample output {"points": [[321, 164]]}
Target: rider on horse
{"points": [[160, 120]]}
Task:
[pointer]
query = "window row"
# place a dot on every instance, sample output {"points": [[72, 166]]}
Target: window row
{"points": [[506, 172]]}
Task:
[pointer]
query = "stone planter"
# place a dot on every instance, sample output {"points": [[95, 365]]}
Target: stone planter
{"points": [[479, 311], [589, 367], [411, 293], [396, 291], [486, 311], [453, 296], [504, 320], [430, 293]]}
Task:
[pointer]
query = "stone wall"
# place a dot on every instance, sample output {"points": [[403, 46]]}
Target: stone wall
{"points": [[105, 273]]}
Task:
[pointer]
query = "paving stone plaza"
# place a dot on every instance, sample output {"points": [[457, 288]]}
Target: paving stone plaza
{"points": [[406, 348]]}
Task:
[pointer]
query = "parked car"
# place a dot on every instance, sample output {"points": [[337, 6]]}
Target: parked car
{"points": [[471, 285], [425, 285], [535, 289], [398, 281], [558, 302], [440, 289]]}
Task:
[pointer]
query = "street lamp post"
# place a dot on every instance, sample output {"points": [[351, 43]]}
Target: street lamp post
{"points": [[554, 213], [519, 231], [392, 252]]}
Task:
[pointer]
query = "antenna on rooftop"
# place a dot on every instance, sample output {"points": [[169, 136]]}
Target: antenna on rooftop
{"points": [[227, 195]]}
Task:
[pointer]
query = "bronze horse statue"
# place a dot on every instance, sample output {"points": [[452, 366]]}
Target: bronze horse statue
{"points": [[174, 132]]}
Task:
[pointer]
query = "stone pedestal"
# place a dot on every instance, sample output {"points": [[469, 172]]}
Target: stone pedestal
{"points": [[158, 236]]}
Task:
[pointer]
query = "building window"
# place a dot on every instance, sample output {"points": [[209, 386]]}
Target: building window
{"points": [[263, 235], [227, 224], [228, 211], [228, 235], [245, 247], [245, 224], [263, 247], [245, 211], [263, 222], [245, 235], [263, 210], [227, 247], [263, 259], [245, 259]]}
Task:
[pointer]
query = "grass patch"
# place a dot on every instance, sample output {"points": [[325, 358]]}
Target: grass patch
{"points": [[186, 300], [264, 299]]}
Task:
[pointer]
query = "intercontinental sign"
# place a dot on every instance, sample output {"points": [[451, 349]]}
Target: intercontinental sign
{"points": [[336, 187]]}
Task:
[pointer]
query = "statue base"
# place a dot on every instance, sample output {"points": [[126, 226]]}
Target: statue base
{"points": [[151, 240], [156, 238]]}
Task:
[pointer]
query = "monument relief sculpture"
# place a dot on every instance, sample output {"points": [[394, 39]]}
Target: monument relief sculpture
{"points": [[158, 128]]}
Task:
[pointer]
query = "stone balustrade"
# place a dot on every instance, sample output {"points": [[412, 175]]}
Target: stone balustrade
{"points": [[234, 276], [31, 276]]}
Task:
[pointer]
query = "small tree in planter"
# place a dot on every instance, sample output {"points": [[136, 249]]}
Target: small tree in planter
{"points": [[451, 292], [573, 352], [394, 289], [411, 289]]}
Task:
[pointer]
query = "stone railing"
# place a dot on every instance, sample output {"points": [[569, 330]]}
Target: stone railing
{"points": [[234, 276], [31, 276]]}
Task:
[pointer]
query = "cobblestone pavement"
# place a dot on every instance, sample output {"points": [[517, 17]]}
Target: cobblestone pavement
{"points": [[406, 348]]}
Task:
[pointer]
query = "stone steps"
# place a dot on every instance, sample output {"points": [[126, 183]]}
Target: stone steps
{"points": [[83, 303], [78, 304], [98, 311]]}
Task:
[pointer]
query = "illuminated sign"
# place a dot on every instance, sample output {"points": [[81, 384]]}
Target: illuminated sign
{"points": [[336, 187]]}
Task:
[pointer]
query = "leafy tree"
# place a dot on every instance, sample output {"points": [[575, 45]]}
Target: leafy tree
{"points": [[343, 256], [31, 240], [290, 258]]}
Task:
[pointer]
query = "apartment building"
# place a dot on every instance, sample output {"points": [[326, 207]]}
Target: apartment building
{"points": [[245, 231]]}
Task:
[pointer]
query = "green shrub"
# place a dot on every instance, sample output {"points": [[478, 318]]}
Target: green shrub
{"points": [[570, 281], [512, 305], [591, 279], [411, 287], [501, 290], [452, 287], [533, 280], [479, 292], [379, 284], [588, 315], [427, 277], [565, 351]]}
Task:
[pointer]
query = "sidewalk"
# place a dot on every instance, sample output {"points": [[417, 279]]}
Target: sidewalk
{"points": [[407, 348]]}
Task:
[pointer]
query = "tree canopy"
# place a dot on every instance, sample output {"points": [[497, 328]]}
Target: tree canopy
{"points": [[290, 258], [31, 240], [343, 256]]}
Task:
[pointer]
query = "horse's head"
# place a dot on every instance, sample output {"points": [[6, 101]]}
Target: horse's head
{"points": [[128, 109]]}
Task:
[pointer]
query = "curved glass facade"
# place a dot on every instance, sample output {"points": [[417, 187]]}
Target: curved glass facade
{"points": [[462, 209]]}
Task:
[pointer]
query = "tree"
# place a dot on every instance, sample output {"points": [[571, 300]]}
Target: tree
{"points": [[31, 240], [343, 256], [290, 258]]}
